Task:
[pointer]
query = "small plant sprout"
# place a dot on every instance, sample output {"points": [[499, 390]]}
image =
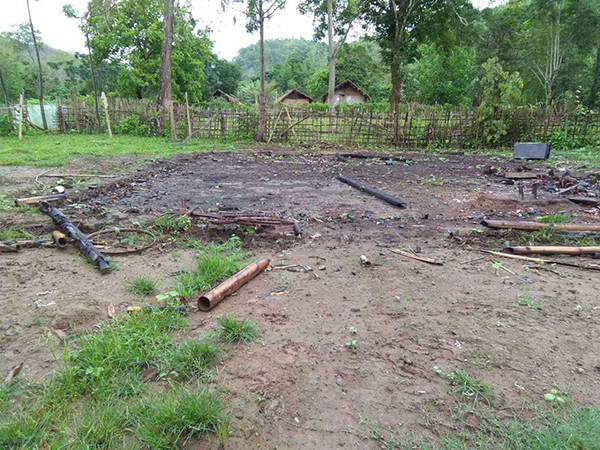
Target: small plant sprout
{"points": [[578, 310], [554, 397], [352, 345], [353, 330], [524, 300]]}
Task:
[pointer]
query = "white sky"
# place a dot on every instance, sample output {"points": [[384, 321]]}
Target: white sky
{"points": [[60, 32]]}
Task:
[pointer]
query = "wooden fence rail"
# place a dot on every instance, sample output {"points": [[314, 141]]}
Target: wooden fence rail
{"points": [[417, 126]]}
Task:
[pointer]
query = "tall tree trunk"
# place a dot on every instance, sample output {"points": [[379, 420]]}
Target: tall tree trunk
{"points": [[164, 99], [39, 62], [7, 100], [596, 83], [331, 63], [94, 83], [262, 124]]}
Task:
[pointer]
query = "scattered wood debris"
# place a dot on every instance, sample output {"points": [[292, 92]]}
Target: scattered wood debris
{"points": [[418, 258]]}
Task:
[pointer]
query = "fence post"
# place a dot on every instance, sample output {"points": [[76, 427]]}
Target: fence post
{"points": [[107, 115], [21, 117], [187, 110]]}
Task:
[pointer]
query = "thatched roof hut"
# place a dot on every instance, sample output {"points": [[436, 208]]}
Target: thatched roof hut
{"points": [[294, 97], [348, 92]]}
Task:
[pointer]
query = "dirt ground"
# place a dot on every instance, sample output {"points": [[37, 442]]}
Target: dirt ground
{"points": [[301, 387]]}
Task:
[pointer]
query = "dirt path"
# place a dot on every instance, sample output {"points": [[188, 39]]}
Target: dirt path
{"points": [[303, 387]]}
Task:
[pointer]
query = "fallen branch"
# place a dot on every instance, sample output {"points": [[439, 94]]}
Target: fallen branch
{"points": [[9, 248], [86, 248], [372, 156], [535, 226], [74, 175], [372, 191], [418, 258], [541, 261], [522, 175]]}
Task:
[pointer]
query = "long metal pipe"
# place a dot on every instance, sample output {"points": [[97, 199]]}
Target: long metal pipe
{"points": [[207, 301]]}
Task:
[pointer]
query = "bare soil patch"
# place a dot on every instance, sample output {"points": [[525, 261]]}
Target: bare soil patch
{"points": [[303, 387]]}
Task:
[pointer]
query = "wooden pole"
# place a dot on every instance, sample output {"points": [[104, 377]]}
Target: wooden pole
{"points": [[187, 110], [534, 226], [105, 102], [21, 117], [552, 250], [542, 261]]}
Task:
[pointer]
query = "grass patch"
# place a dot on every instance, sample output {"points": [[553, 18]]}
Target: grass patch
{"points": [[45, 150], [548, 236], [172, 224], [461, 384], [236, 330], [98, 397], [568, 428], [213, 263], [6, 204], [554, 218], [11, 234], [141, 285]]}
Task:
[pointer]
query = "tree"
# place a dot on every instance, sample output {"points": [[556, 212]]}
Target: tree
{"points": [[220, 74], [444, 76], [336, 18], [164, 99], [400, 25], [258, 12], [131, 33], [39, 63], [70, 12]]}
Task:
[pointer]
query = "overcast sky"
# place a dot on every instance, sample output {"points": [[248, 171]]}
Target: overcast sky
{"points": [[60, 32]]}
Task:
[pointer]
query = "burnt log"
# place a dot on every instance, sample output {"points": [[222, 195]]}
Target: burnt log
{"points": [[86, 248], [372, 191]]}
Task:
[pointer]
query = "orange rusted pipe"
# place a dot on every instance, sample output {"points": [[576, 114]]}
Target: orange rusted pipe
{"points": [[208, 301]]}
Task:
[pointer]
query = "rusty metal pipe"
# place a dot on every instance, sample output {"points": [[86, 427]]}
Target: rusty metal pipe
{"points": [[207, 301], [60, 239]]}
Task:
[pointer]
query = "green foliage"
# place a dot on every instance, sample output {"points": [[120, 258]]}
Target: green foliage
{"points": [[131, 32], [236, 330], [277, 51], [554, 218], [444, 76], [10, 234], [5, 125], [525, 300], [131, 125], [172, 224], [501, 92], [213, 263], [141, 285]]}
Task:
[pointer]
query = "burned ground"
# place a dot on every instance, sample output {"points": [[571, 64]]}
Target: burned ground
{"points": [[412, 323]]}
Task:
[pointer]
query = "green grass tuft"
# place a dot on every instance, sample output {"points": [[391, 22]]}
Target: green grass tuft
{"points": [[141, 285], [193, 358], [554, 218], [170, 419], [173, 224], [236, 330], [11, 234], [214, 263]]}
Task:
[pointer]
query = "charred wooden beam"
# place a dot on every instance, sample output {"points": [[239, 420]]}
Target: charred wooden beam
{"points": [[372, 191], [86, 248]]}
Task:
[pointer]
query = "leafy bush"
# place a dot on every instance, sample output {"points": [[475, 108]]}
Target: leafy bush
{"points": [[4, 125], [131, 125]]}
